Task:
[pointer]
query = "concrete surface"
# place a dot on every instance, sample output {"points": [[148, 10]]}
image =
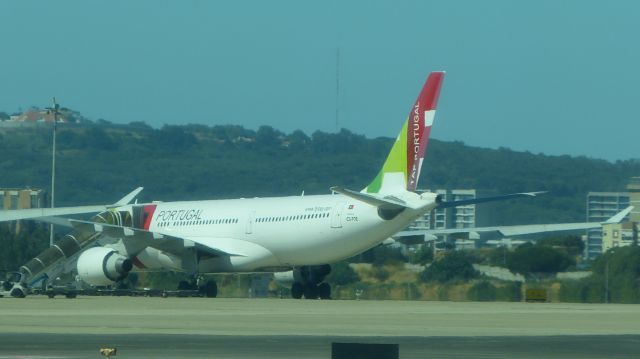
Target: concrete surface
{"points": [[206, 316], [38, 327]]}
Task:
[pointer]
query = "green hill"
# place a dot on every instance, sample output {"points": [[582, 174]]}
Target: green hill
{"points": [[101, 162]]}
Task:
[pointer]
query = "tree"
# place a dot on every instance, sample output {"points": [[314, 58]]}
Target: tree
{"points": [[99, 139], [454, 266], [140, 125], [268, 137], [529, 258], [422, 256], [17, 249], [298, 140], [174, 138], [572, 245], [616, 278]]}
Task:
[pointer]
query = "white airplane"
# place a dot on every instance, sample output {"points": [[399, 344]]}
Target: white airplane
{"points": [[296, 236]]}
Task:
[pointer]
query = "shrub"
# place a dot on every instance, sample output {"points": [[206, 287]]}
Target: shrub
{"points": [[454, 266], [342, 274], [529, 258]]}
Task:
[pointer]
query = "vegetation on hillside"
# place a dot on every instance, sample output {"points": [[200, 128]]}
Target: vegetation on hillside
{"points": [[100, 162], [616, 279], [18, 249]]}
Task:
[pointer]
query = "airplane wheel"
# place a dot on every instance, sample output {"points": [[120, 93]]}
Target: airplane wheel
{"points": [[18, 293], [71, 295], [311, 291], [210, 289], [297, 290], [324, 291]]}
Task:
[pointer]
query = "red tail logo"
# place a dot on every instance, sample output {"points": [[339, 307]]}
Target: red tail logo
{"points": [[419, 127]]}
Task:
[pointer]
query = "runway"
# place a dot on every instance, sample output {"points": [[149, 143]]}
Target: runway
{"points": [[60, 346], [38, 327]]}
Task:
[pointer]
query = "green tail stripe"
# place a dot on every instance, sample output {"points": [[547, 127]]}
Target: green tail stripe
{"points": [[396, 161]]}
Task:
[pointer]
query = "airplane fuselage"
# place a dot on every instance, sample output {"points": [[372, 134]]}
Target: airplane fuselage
{"points": [[275, 232]]}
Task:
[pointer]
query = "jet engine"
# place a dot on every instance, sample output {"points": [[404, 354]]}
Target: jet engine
{"points": [[284, 279], [100, 266]]}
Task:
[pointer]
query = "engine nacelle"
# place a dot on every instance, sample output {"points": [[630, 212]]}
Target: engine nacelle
{"points": [[100, 266], [284, 279]]}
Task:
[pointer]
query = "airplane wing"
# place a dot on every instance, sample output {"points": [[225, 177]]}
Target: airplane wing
{"points": [[521, 229], [465, 202], [507, 231], [35, 213]]}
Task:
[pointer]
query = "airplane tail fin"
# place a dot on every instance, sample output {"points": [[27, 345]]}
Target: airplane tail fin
{"points": [[401, 170]]}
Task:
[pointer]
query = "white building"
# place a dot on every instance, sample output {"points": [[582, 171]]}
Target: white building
{"points": [[455, 217], [600, 207]]}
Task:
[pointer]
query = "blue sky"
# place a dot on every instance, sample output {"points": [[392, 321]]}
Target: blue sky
{"points": [[553, 77]]}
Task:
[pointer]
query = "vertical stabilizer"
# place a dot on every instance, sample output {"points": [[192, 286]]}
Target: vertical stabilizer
{"points": [[401, 170]]}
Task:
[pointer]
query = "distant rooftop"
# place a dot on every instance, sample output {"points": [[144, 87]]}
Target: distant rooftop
{"points": [[36, 115]]}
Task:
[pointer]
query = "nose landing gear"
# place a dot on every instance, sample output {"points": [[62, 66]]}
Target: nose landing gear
{"points": [[204, 287]]}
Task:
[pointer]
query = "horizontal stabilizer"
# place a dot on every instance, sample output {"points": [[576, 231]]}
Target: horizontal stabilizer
{"points": [[387, 202]]}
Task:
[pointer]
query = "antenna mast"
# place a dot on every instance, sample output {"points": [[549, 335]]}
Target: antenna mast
{"points": [[55, 112], [337, 89]]}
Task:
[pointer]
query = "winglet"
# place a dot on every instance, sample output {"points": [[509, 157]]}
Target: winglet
{"points": [[619, 216], [128, 198]]}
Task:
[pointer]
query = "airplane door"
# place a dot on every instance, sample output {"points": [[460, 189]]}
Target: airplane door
{"points": [[137, 216], [250, 220], [336, 215]]}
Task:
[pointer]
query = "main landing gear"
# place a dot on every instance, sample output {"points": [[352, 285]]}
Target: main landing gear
{"points": [[311, 291], [205, 287], [309, 283]]}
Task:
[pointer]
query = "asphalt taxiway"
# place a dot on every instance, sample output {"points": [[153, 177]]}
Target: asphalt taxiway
{"points": [[38, 327]]}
